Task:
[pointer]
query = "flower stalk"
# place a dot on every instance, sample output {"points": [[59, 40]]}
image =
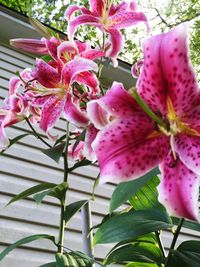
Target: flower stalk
{"points": [[176, 234], [63, 203]]}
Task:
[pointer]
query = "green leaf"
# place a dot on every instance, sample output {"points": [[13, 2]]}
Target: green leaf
{"points": [[25, 240], [58, 192], [47, 58], [81, 137], [40, 196], [73, 208], [187, 224], [137, 264], [55, 152], [147, 196], [136, 252], [148, 238], [126, 190], [61, 260], [40, 28], [50, 264], [15, 140], [73, 259], [132, 225], [59, 140], [81, 163], [31, 191], [187, 254]]}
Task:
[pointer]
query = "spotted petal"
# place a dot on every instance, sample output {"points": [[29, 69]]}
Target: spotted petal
{"points": [[46, 74], [90, 136], [188, 149], [73, 113], [81, 20], [117, 101], [151, 84], [51, 111], [179, 189], [97, 6], [90, 80], [76, 66], [92, 54], [122, 20], [125, 149]]}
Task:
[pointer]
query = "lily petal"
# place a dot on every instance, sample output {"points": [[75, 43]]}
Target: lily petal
{"points": [[73, 114], [70, 11], [125, 19], [90, 136], [125, 149], [81, 20], [96, 6], [188, 149], [52, 45], [117, 101], [51, 111], [76, 66], [116, 41], [97, 114], [179, 189], [77, 153], [14, 84], [90, 80], [92, 54], [151, 84], [178, 72], [45, 74], [68, 47]]}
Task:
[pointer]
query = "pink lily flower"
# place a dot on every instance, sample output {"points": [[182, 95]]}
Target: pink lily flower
{"points": [[53, 91], [15, 110], [107, 17], [132, 144]]}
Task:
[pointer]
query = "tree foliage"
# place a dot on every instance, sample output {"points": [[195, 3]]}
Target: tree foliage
{"points": [[162, 16]]}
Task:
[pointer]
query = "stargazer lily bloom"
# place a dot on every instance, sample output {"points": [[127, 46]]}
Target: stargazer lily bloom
{"points": [[107, 17], [16, 108], [132, 144], [54, 93]]}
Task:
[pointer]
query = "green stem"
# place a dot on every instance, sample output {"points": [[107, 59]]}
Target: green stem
{"points": [[36, 134], [149, 112], [178, 229], [101, 63], [63, 205], [160, 243]]}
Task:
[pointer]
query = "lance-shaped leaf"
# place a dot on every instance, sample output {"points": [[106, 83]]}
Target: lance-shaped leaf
{"points": [[49, 264], [187, 224], [55, 152], [139, 264], [136, 252], [187, 254], [25, 240], [33, 190], [147, 196], [14, 140], [73, 259], [72, 208], [41, 29], [126, 190], [132, 225], [58, 192], [81, 163]]}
